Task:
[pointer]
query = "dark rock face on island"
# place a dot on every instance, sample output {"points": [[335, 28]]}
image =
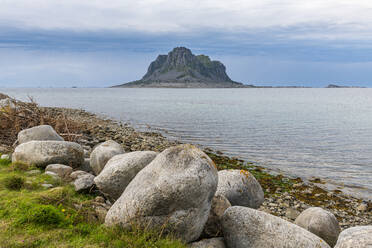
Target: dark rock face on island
{"points": [[182, 69]]}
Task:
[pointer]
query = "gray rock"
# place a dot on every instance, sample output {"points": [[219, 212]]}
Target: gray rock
{"points": [[209, 243], [43, 153], [240, 188], [86, 166], [33, 172], [76, 174], [174, 191], [43, 132], [119, 172], [47, 186], [84, 183], [61, 170], [249, 228], [320, 222], [7, 103], [291, 213], [53, 175], [103, 153], [5, 157], [355, 237], [213, 226]]}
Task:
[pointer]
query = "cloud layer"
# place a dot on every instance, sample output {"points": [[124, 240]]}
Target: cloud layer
{"points": [[329, 19]]}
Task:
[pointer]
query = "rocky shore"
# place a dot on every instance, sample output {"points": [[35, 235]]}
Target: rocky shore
{"points": [[115, 149]]}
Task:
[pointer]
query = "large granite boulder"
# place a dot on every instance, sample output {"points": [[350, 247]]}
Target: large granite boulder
{"points": [[320, 222], [209, 243], [240, 187], [43, 132], [249, 228], [213, 226], [119, 172], [63, 171], [43, 153], [173, 192], [103, 153], [355, 237]]}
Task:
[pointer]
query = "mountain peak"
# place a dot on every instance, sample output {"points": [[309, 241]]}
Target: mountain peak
{"points": [[182, 69]]}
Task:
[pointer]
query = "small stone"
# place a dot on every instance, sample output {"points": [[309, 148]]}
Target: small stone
{"points": [[291, 213], [47, 186], [74, 175], [61, 170], [209, 243], [5, 157], [362, 207], [84, 183], [52, 174]]}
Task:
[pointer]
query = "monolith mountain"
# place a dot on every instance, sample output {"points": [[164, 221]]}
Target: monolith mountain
{"points": [[182, 69]]}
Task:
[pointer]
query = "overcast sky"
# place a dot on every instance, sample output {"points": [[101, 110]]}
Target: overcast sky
{"points": [[54, 43]]}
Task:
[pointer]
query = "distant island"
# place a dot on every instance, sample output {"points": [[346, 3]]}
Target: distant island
{"points": [[182, 69], [342, 86]]}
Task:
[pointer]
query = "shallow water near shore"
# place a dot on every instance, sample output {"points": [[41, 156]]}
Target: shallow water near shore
{"points": [[323, 133]]}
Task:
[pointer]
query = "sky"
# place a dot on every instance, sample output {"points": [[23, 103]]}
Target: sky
{"points": [[96, 43]]}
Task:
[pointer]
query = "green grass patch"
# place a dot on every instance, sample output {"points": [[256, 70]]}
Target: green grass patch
{"points": [[60, 217], [14, 182]]}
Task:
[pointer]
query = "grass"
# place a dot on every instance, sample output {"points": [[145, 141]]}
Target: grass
{"points": [[35, 217]]}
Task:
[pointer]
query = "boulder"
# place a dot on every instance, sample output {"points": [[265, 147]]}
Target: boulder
{"points": [[240, 187], [76, 174], [43, 153], [320, 222], [355, 237], [245, 227], [43, 132], [209, 243], [174, 192], [213, 226], [103, 153], [120, 170], [84, 183], [61, 170]]}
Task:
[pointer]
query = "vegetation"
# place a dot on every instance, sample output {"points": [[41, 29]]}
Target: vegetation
{"points": [[32, 216]]}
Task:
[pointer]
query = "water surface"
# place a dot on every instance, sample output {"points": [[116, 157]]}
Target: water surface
{"points": [[303, 132]]}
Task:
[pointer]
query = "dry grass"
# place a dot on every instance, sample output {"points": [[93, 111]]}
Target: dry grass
{"points": [[26, 115]]}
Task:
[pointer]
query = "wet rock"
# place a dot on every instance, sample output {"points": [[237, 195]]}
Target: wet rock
{"points": [[103, 153], [43, 132], [174, 191], [209, 243], [43, 153], [84, 183], [240, 188], [248, 228], [213, 226], [61, 170], [355, 237], [320, 222], [119, 172]]}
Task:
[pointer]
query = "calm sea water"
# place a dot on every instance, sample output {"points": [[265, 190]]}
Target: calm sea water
{"points": [[303, 132]]}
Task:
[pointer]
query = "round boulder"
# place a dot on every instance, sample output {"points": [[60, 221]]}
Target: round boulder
{"points": [[43, 153], [61, 170], [245, 227], [240, 187], [43, 132], [320, 222], [355, 237], [120, 170], [103, 153], [173, 192], [213, 226], [209, 243]]}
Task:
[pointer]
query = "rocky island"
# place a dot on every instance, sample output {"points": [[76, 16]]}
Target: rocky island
{"points": [[182, 69]]}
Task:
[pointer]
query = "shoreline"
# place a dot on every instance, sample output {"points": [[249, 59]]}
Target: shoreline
{"points": [[285, 197]]}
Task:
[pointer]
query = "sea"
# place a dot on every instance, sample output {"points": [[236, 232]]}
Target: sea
{"points": [[305, 132]]}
